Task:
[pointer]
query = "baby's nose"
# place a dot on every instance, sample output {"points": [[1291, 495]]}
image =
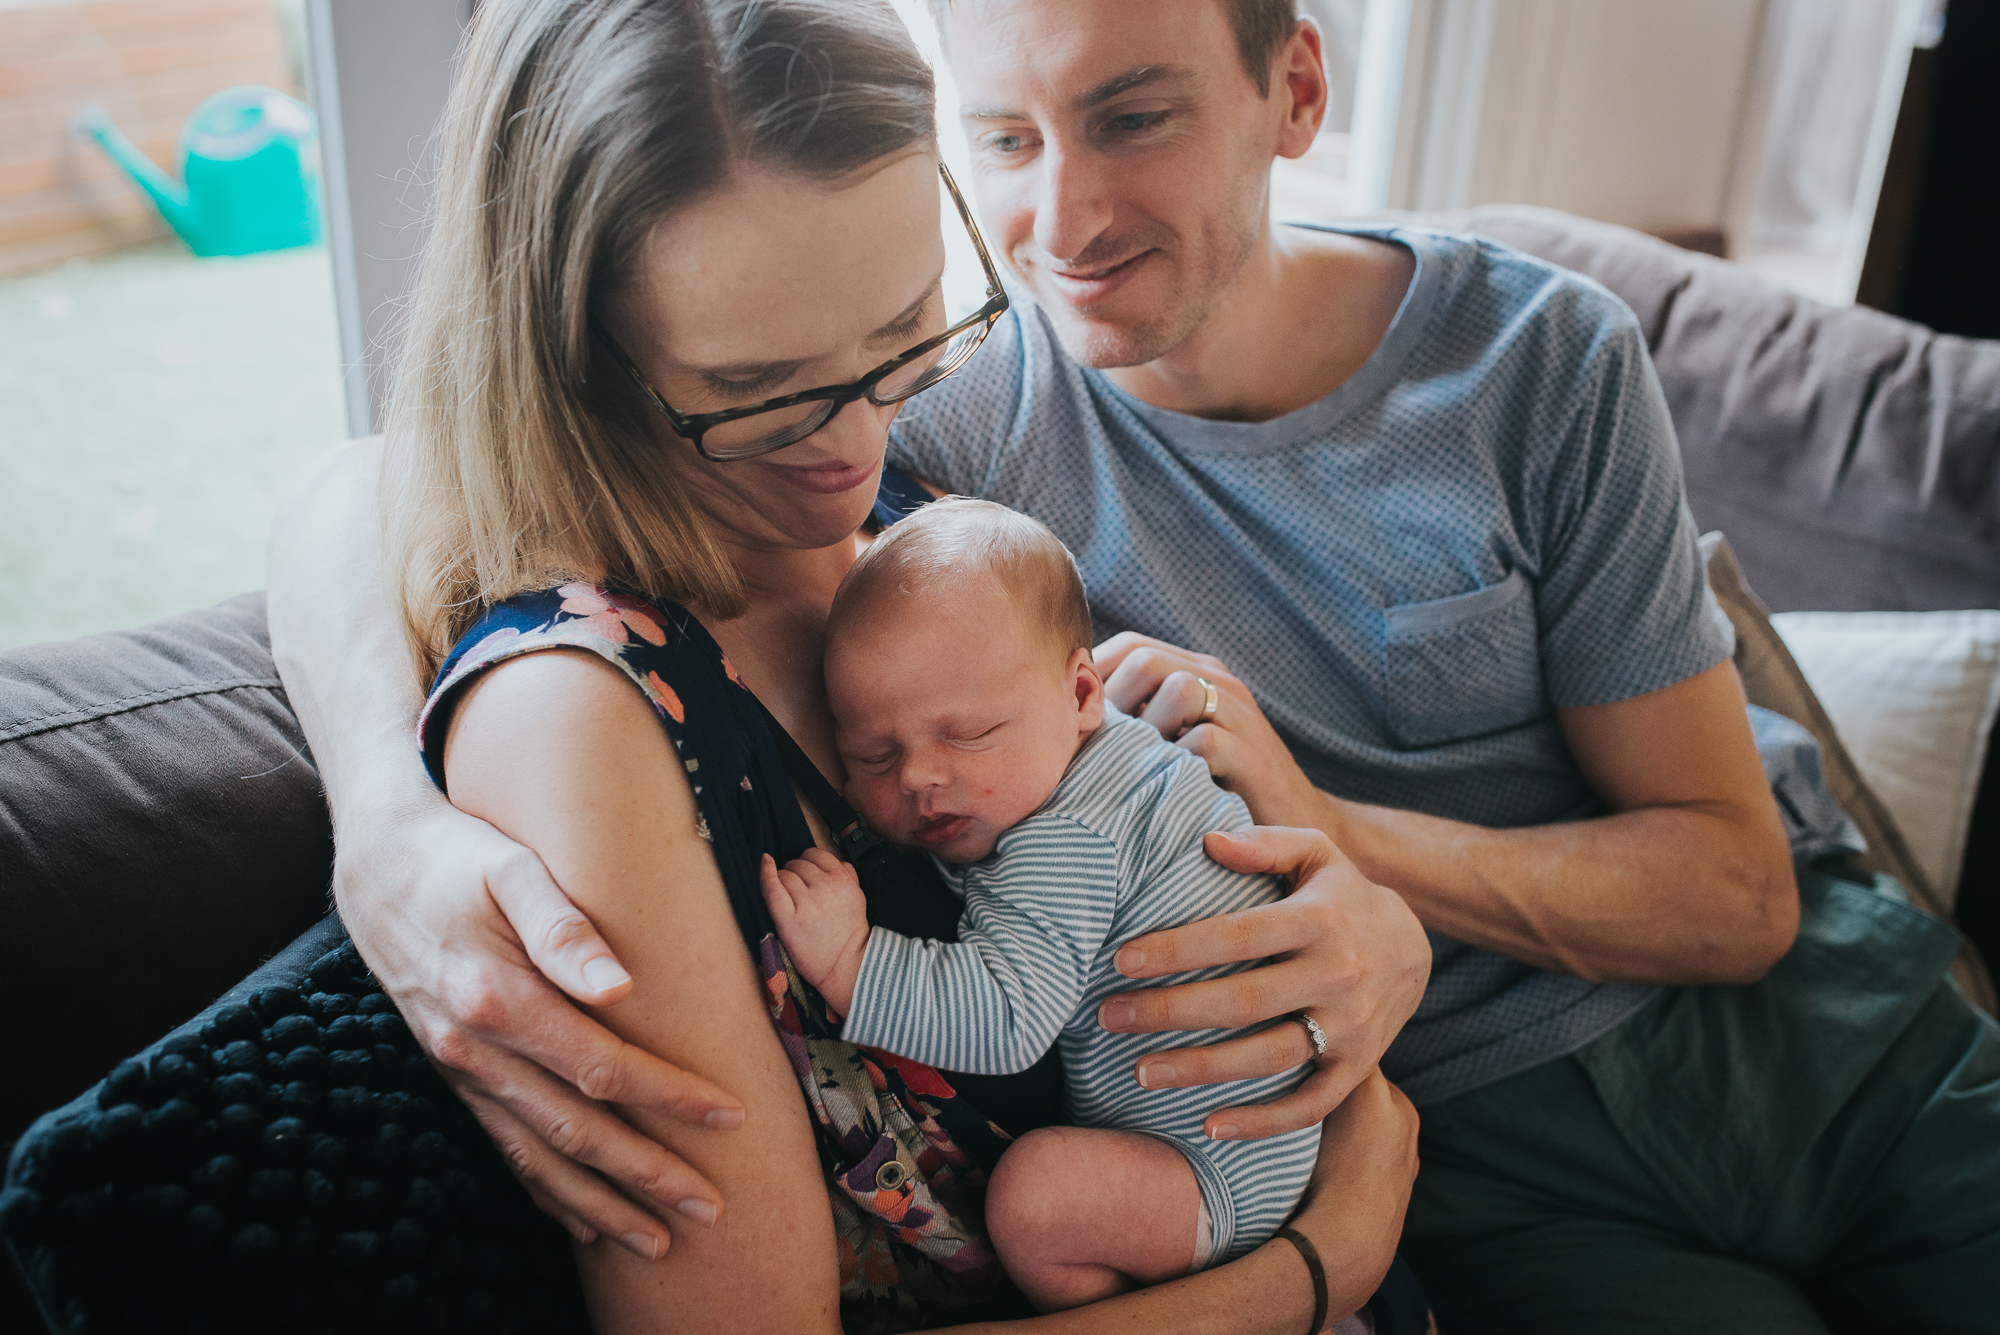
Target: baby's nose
{"points": [[920, 775]]}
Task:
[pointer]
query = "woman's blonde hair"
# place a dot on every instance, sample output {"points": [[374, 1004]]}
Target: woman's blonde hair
{"points": [[516, 455]]}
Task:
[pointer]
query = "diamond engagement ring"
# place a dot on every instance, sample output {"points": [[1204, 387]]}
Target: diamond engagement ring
{"points": [[1209, 700], [1314, 1032]]}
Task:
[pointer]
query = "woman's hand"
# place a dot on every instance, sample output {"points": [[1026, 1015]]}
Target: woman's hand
{"points": [[471, 937], [1340, 947], [1162, 684]]}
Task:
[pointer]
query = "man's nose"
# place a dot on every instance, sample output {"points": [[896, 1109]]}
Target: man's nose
{"points": [[1074, 204]]}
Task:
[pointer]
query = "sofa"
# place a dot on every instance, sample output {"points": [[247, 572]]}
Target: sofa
{"points": [[163, 833]]}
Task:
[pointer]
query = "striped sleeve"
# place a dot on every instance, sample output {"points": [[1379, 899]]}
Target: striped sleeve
{"points": [[1036, 915]]}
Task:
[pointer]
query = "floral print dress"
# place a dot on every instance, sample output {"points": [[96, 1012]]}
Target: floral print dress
{"points": [[906, 1158]]}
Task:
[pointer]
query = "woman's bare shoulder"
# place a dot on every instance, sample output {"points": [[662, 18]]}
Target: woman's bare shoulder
{"points": [[557, 734]]}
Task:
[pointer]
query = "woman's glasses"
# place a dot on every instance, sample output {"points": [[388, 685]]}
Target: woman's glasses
{"points": [[761, 428]]}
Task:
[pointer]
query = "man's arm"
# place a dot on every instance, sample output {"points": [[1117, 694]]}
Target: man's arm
{"points": [[1689, 880], [463, 926]]}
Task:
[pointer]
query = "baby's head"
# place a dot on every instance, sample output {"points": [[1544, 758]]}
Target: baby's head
{"points": [[958, 669]]}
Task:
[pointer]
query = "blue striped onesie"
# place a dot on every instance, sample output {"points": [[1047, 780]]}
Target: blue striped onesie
{"points": [[1114, 853]]}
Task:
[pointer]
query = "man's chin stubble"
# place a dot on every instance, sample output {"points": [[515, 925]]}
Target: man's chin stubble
{"points": [[1107, 348]]}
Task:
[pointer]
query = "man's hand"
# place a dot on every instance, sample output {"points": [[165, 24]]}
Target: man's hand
{"points": [[1161, 684], [1340, 947], [822, 917], [472, 938]]}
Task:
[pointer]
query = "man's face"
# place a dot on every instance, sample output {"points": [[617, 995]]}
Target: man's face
{"points": [[1121, 155]]}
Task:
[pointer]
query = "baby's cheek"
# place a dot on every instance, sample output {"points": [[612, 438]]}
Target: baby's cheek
{"points": [[876, 800]]}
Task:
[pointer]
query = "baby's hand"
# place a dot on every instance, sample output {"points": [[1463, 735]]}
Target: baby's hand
{"points": [[822, 918]]}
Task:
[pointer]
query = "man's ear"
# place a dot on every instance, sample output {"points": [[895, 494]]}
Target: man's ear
{"points": [[1087, 687], [1299, 75]]}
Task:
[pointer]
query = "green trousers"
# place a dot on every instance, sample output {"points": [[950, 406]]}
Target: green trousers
{"points": [[1817, 1152]]}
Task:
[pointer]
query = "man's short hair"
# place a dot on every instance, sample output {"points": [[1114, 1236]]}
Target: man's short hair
{"points": [[1262, 26], [951, 544]]}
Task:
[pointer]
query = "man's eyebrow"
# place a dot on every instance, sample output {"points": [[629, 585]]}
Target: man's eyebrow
{"points": [[1126, 82], [1096, 95]]}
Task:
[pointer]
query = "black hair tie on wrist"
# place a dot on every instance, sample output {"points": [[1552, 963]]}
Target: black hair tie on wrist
{"points": [[1310, 1255]]}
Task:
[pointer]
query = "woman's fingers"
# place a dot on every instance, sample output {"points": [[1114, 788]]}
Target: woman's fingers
{"points": [[603, 1067], [1339, 947], [553, 1208], [1281, 1046], [583, 1202], [1292, 853], [559, 940], [553, 1125], [1227, 938], [1235, 1002], [1311, 1102]]}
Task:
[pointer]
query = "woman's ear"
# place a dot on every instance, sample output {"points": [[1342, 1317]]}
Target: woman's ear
{"points": [[1088, 689]]}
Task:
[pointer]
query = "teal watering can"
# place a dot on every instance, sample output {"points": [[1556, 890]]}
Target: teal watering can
{"points": [[249, 166]]}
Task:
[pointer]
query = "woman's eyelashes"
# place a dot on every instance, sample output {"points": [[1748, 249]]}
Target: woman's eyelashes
{"points": [[753, 388]]}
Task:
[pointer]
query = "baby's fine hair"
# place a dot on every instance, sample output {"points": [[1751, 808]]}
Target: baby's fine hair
{"points": [[940, 548]]}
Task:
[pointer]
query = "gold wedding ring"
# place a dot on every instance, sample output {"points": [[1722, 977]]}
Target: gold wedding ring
{"points": [[1210, 698]]}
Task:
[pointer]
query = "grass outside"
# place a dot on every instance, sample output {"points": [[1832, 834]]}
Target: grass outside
{"points": [[154, 408]]}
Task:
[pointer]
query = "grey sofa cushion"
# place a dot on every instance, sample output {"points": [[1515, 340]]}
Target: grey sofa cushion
{"points": [[162, 831], [1852, 458]]}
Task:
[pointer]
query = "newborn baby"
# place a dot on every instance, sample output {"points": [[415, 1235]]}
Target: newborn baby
{"points": [[973, 725]]}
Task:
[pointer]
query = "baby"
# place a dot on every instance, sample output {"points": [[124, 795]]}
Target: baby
{"points": [[973, 724]]}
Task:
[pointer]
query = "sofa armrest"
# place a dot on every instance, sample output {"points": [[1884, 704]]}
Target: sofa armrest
{"points": [[162, 831]]}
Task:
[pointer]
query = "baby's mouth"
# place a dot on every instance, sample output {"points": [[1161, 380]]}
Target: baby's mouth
{"points": [[940, 829]]}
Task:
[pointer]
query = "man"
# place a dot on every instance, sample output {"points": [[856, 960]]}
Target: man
{"points": [[1421, 495]]}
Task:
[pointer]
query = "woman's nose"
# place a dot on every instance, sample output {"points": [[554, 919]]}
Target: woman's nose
{"points": [[858, 428]]}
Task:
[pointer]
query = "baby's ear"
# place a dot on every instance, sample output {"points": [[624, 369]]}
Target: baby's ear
{"points": [[1088, 689]]}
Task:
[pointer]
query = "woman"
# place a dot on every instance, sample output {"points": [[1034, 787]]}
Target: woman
{"points": [[654, 219]]}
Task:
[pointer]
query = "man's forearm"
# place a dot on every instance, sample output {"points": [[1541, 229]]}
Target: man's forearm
{"points": [[1659, 895], [337, 643]]}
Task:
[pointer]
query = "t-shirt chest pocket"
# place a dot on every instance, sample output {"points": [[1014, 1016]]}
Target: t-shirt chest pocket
{"points": [[1464, 666]]}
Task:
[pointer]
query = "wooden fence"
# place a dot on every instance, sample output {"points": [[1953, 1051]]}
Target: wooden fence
{"points": [[148, 62]]}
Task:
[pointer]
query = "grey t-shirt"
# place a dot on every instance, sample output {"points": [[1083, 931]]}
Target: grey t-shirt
{"points": [[1484, 523]]}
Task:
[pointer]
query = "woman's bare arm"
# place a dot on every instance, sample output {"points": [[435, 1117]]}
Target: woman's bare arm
{"points": [[1352, 1212], [463, 926], [559, 752]]}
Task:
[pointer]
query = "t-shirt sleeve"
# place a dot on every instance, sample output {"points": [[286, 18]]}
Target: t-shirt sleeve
{"points": [[951, 436], [1623, 606], [991, 1003]]}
